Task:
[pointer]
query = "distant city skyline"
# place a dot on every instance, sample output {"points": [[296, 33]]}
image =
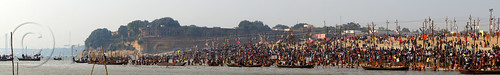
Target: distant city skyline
{"points": [[80, 18]]}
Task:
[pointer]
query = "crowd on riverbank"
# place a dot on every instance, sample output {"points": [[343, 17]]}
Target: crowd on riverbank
{"points": [[433, 53]]}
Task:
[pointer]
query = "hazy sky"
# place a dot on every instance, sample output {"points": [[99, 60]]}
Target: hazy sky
{"points": [[81, 17]]}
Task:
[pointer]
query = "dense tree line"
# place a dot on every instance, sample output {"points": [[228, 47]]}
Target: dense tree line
{"points": [[165, 27], [99, 37], [169, 27]]}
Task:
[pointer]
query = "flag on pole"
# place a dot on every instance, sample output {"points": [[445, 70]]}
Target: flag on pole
{"points": [[425, 37]]}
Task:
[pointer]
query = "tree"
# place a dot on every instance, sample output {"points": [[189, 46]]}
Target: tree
{"points": [[134, 26], [192, 30], [299, 25], [123, 31], [98, 37], [405, 30], [253, 26], [165, 22], [351, 26], [280, 26]]}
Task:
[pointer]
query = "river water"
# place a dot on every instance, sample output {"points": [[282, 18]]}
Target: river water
{"points": [[67, 68]]}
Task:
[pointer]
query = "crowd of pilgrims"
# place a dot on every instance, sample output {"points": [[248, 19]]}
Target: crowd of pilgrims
{"points": [[433, 54]]}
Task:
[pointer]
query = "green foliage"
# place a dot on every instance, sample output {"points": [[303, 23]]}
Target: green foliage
{"points": [[123, 31], [165, 22], [299, 25], [280, 26], [351, 26], [134, 26], [98, 37], [405, 30], [256, 25], [192, 31], [363, 29]]}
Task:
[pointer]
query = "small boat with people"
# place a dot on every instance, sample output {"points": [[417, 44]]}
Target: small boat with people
{"points": [[246, 65], [171, 64], [385, 68], [255, 65], [58, 58], [79, 61], [112, 63], [28, 59], [5, 58], [469, 71], [233, 65], [295, 66], [116, 63], [35, 57]]}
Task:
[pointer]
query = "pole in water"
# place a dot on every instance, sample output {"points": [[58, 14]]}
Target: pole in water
{"points": [[104, 57], [17, 71], [92, 70], [12, 52]]}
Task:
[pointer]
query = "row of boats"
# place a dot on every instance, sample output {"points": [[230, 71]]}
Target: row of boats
{"points": [[395, 68], [25, 59], [401, 68]]}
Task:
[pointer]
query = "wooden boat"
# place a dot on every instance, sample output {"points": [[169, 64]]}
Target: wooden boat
{"points": [[266, 65], [172, 64], [92, 62], [80, 61], [257, 65], [386, 68], [233, 65], [28, 59], [465, 71], [293, 66], [111, 63], [213, 64], [6, 59], [57, 58], [116, 63]]}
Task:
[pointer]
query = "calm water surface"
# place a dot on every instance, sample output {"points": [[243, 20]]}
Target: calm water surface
{"points": [[68, 68]]}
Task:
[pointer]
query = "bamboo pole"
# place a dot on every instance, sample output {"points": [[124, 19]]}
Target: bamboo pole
{"points": [[104, 57], [17, 71], [92, 70], [12, 52]]}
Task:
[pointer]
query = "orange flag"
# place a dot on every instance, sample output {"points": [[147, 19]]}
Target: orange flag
{"points": [[425, 37], [487, 36]]}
